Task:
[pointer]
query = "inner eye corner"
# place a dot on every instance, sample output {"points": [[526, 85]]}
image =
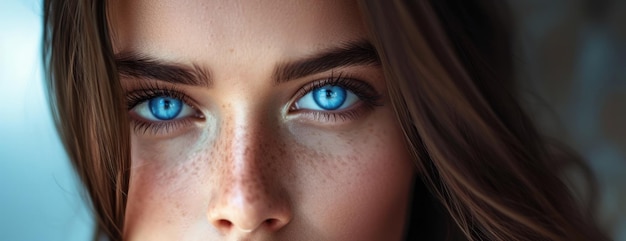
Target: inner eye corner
{"points": [[292, 107]]}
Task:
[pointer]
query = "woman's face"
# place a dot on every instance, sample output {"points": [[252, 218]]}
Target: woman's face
{"points": [[258, 120]]}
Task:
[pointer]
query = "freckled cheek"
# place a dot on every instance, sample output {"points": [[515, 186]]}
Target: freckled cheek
{"points": [[167, 179], [358, 183]]}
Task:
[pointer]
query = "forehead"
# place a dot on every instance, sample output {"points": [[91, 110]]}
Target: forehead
{"points": [[203, 29]]}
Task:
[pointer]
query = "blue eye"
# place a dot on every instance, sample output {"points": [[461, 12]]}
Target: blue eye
{"points": [[163, 108], [327, 97]]}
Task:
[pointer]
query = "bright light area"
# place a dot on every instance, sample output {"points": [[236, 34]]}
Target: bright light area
{"points": [[39, 193]]}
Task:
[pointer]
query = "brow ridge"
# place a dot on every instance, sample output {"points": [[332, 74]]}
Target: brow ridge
{"points": [[360, 52], [135, 65]]}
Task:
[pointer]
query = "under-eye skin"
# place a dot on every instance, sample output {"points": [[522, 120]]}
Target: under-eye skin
{"points": [[335, 99], [160, 110]]}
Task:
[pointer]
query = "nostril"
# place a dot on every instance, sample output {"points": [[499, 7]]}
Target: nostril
{"points": [[270, 223], [224, 224], [273, 224]]}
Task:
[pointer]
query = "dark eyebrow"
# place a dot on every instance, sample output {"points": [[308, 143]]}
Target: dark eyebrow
{"points": [[360, 52], [132, 64]]}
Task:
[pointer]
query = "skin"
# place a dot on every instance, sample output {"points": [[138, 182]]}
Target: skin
{"points": [[246, 166]]}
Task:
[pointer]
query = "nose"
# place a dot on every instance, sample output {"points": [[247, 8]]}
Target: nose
{"points": [[249, 197]]}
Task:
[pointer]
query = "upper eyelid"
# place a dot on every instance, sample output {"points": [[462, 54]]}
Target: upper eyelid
{"points": [[141, 95], [146, 87]]}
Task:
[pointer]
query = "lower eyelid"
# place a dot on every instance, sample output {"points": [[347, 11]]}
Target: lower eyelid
{"points": [[323, 117], [352, 113], [144, 126], [162, 128]]}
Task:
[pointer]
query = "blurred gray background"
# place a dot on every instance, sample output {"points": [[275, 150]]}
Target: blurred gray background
{"points": [[572, 72], [572, 65]]}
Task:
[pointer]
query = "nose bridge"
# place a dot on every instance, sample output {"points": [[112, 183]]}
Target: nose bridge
{"points": [[248, 194], [244, 134], [246, 161]]}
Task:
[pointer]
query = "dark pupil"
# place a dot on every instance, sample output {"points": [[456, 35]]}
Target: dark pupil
{"points": [[167, 104]]}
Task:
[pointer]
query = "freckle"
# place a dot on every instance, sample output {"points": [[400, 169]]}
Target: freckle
{"points": [[195, 167]]}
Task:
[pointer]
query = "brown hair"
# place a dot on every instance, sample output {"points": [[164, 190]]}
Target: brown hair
{"points": [[87, 105], [486, 172], [450, 71]]}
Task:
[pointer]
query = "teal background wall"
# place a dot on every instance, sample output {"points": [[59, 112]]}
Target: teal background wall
{"points": [[40, 199]]}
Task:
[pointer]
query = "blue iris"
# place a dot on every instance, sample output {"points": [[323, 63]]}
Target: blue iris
{"points": [[329, 97], [165, 108]]}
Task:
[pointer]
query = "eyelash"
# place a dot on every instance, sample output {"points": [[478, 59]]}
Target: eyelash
{"points": [[369, 97], [365, 92], [153, 90]]}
